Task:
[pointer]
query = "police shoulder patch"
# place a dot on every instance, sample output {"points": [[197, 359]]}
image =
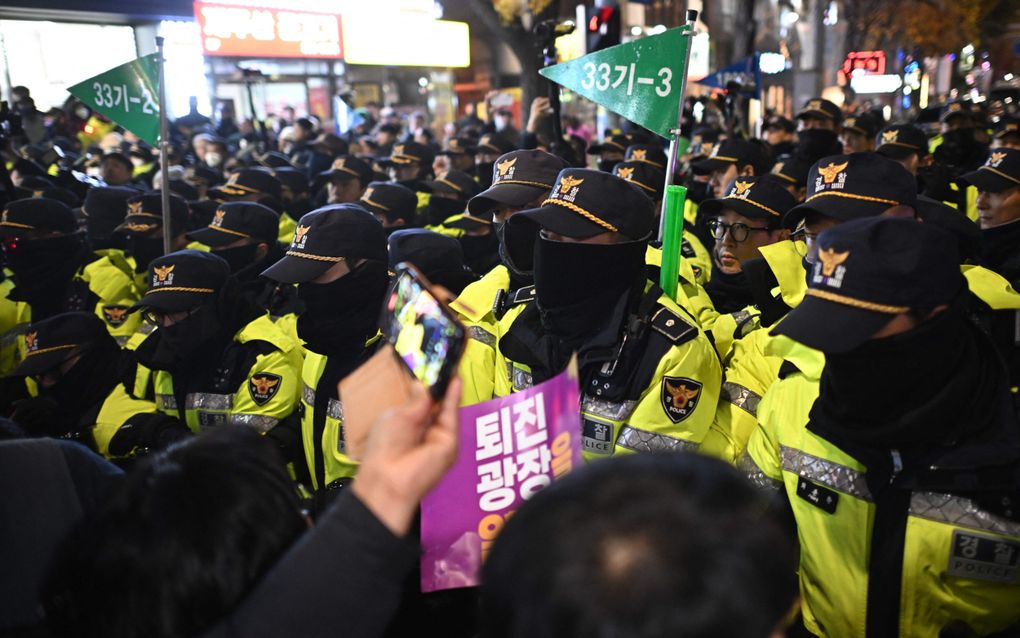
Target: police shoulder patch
{"points": [[115, 315], [263, 386], [680, 397], [672, 326]]}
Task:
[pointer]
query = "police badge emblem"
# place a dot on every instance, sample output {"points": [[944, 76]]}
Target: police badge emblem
{"points": [[263, 386], [680, 396]]}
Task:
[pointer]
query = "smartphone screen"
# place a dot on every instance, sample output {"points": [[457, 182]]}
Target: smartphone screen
{"points": [[422, 331]]}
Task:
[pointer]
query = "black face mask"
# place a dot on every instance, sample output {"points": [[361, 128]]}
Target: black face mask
{"points": [[911, 388], [87, 383], [577, 284], [815, 143], [239, 257], [342, 315], [520, 273], [194, 343], [483, 171], [729, 292], [144, 250], [42, 269], [606, 166], [440, 209]]}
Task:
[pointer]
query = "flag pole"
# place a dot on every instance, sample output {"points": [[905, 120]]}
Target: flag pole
{"points": [[671, 160], [164, 151]]}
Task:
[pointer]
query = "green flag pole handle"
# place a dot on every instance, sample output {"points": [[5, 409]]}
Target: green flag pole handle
{"points": [[673, 232]]}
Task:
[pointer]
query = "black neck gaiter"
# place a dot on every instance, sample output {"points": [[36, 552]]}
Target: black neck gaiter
{"points": [[85, 386], [342, 315], [929, 386], [1001, 250], [729, 292], [577, 284]]}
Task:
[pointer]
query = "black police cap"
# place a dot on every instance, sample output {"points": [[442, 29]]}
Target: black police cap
{"points": [[107, 204], [37, 214], [846, 187], [349, 167], [613, 144], [409, 152], [646, 176], [203, 176], [648, 153], [145, 214], [248, 181], [866, 124], [459, 146], [293, 178], [780, 123], [820, 108], [901, 140], [392, 201], [1001, 171], [50, 192], [494, 143], [1006, 127], [456, 183], [867, 272], [56, 339], [274, 159], [183, 189], [239, 220], [183, 280], [793, 171], [326, 237], [762, 197], [584, 203], [738, 152], [439, 257], [518, 178]]}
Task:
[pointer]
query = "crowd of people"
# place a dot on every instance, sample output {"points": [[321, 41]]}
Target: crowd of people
{"points": [[817, 435]]}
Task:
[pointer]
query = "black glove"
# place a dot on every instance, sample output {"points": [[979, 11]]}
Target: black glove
{"points": [[40, 416]]}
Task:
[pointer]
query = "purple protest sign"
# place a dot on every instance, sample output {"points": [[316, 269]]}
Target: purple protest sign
{"points": [[510, 448]]}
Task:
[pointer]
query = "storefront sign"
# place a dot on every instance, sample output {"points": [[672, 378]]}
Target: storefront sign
{"points": [[267, 33], [406, 41], [863, 62]]}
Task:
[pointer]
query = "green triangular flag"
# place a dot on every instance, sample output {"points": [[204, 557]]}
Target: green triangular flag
{"points": [[640, 80], [128, 95]]}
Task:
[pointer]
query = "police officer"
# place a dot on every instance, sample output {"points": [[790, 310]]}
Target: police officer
{"points": [[520, 180], [612, 150], [410, 164], [451, 191], [818, 128], [459, 155], [393, 205], [906, 144], [487, 152], [840, 188], [338, 261], [244, 235], [899, 457], [1007, 133], [858, 133], [118, 279], [745, 221], [216, 359], [649, 376], [45, 251], [346, 179], [998, 203], [780, 134], [79, 371]]}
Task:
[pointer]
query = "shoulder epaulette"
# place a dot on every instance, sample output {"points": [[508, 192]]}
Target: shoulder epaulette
{"points": [[671, 325]]}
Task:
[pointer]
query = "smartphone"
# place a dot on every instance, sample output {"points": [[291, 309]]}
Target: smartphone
{"points": [[423, 331]]}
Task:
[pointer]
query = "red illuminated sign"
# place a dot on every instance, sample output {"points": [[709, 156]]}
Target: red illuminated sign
{"points": [[267, 33], [868, 62]]}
